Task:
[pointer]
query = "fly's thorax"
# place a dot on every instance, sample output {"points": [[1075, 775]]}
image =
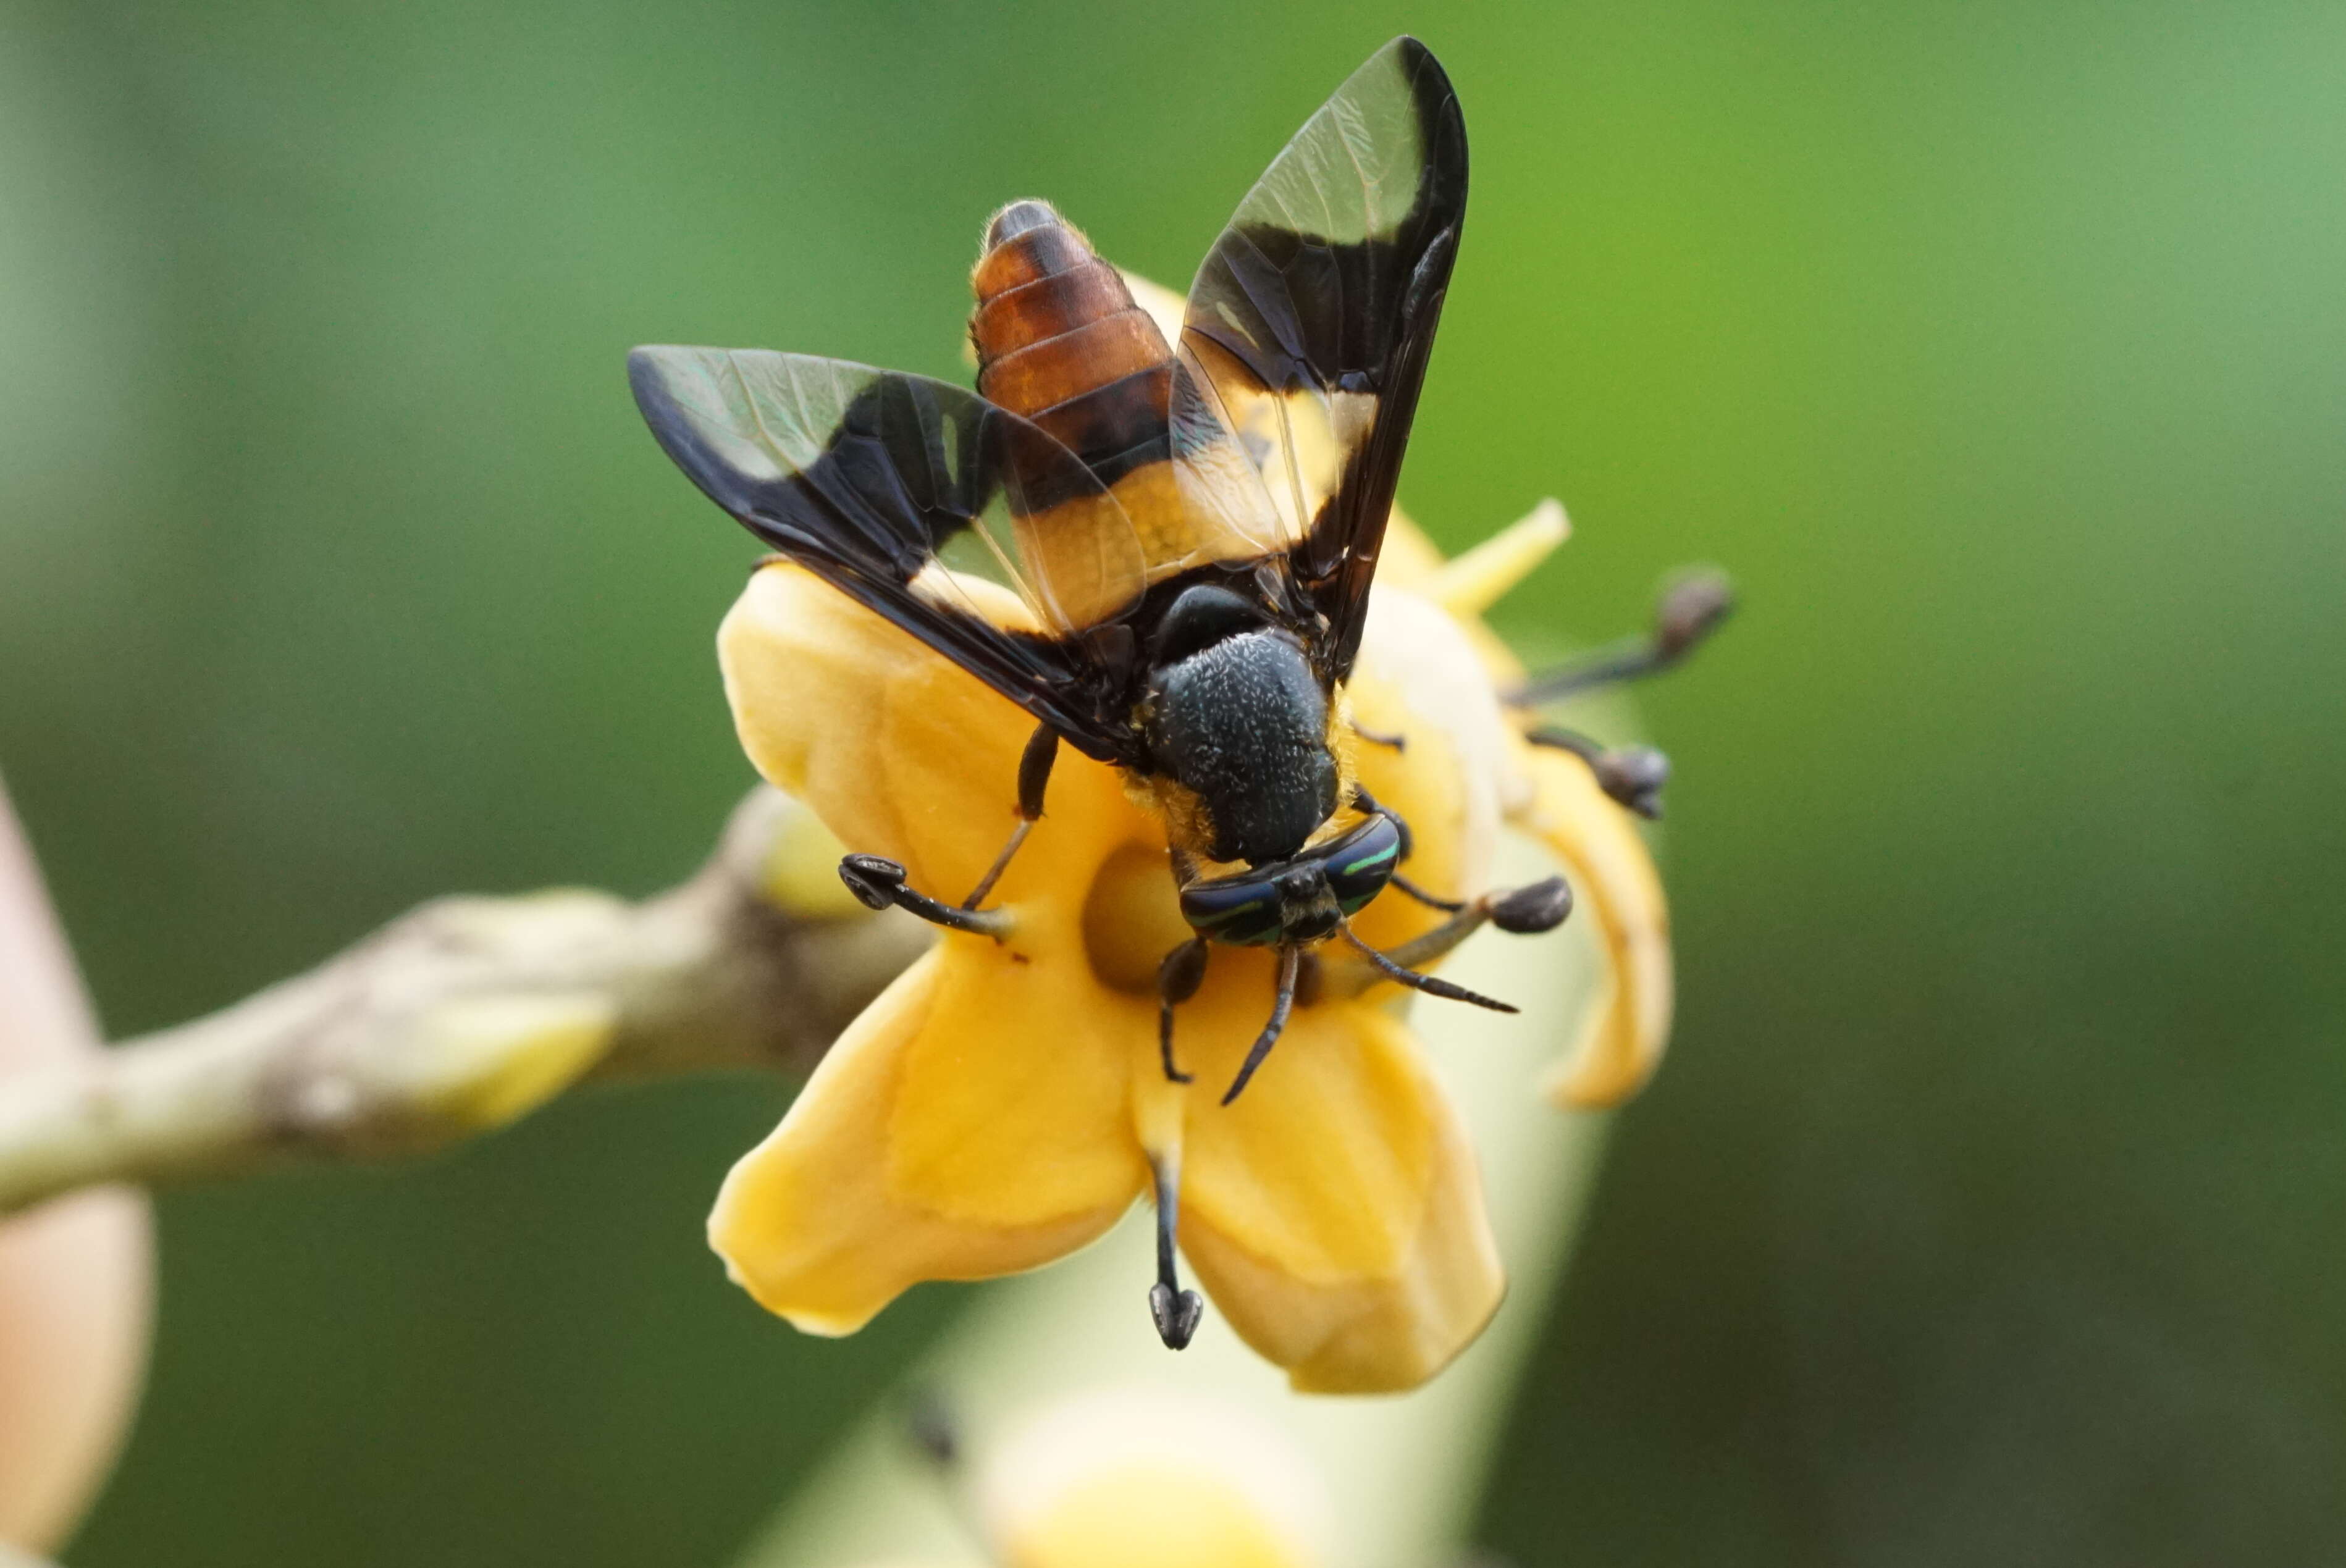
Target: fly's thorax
{"points": [[1242, 723]]}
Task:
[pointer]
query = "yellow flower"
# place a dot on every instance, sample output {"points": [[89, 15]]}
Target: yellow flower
{"points": [[1620, 1042], [1002, 1104], [1628, 1022]]}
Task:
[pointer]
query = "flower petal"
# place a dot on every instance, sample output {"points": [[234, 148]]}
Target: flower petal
{"points": [[1419, 677], [1620, 892], [972, 1122], [901, 752], [1334, 1212], [1486, 573]]}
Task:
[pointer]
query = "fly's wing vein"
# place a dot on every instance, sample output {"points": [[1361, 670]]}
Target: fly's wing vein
{"points": [[1314, 315], [868, 477]]}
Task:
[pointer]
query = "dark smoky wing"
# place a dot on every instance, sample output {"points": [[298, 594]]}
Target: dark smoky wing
{"points": [[1313, 315], [867, 478], [890, 471]]}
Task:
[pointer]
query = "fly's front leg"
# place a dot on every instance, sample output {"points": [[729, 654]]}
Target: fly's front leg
{"points": [[1177, 979], [1175, 1312], [1291, 958], [1528, 910]]}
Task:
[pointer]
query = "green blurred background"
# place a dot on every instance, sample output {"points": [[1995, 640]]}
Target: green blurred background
{"points": [[1984, 1210]]}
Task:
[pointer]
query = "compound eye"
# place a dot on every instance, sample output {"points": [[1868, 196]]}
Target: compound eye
{"points": [[1361, 862], [1240, 911]]}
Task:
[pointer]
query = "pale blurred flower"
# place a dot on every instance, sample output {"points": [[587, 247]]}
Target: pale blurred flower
{"points": [[76, 1274], [1150, 1480]]}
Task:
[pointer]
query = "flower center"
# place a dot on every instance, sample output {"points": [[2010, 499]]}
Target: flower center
{"points": [[1132, 918]]}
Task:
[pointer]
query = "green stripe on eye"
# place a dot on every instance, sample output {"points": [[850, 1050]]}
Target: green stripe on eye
{"points": [[1365, 861]]}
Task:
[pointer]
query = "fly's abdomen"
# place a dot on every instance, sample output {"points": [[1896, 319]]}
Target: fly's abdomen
{"points": [[1060, 342]]}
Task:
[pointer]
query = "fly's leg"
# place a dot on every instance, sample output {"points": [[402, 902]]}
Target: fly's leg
{"points": [[1034, 778], [1365, 802], [1525, 910], [1175, 1310], [1177, 979], [879, 882], [1690, 608], [1631, 775], [1432, 985], [1689, 611], [1431, 901], [1289, 960]]}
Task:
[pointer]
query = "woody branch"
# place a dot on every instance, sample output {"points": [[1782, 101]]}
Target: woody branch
{"points": [[466, 1013]]}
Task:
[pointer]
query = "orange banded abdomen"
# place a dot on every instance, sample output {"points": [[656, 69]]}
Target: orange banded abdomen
{"points": [[1060, 342]]}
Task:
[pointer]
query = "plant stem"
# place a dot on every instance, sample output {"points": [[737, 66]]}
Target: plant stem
{"points": [[467, 1012]]}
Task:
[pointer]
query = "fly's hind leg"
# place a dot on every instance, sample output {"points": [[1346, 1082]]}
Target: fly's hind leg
{"points": [[879, 882], [1034, 778]]}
